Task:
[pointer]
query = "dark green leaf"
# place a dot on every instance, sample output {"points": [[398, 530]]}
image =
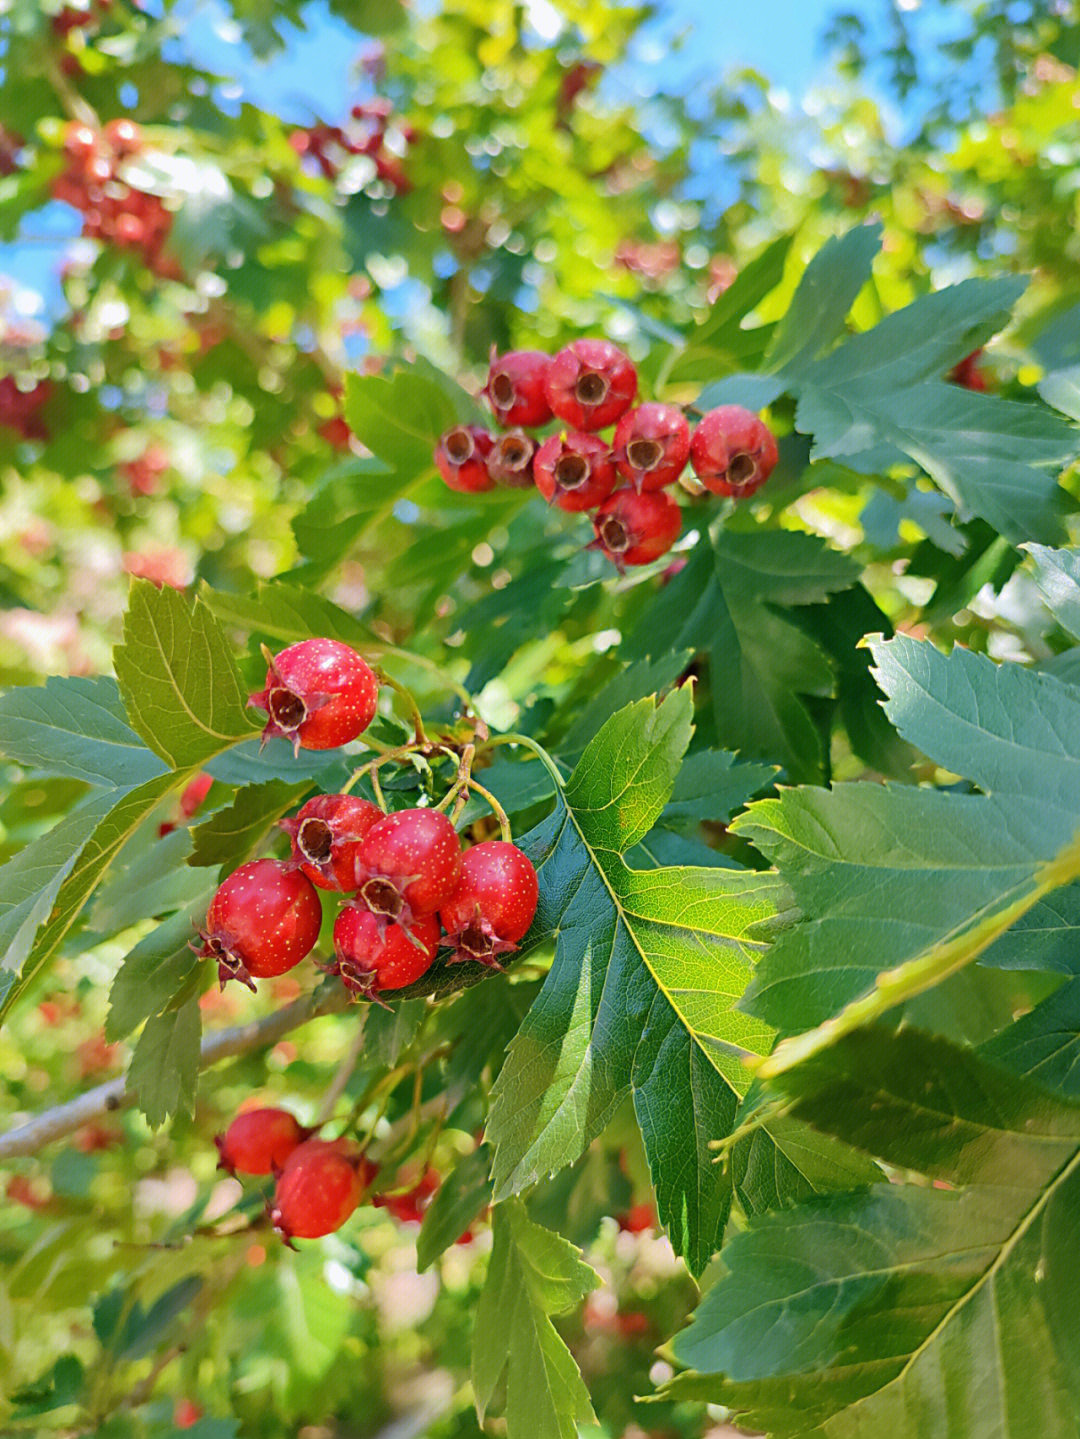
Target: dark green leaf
{"points": [[75, 727], [164, 1069]]}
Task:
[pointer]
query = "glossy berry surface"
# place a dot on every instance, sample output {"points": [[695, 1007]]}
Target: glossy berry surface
{"points": [[591, 384], [326, 835], [408, 1207], [408, 864], [576, 472], [633, 529], [319, 694], [732, 451], [371, 956], [259, 1141], [493, 904], [461, 458], [652, 445], [321, 1184], [515, 387], [262, 921], [511, 460]]}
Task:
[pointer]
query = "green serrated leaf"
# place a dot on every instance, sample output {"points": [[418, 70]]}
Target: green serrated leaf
{"points": [[178, 679], [1057, 574], [532, 1274], [155, 972], [826, 293], [464, 1192], [233, 834], [164, 1070], [75, 727]]}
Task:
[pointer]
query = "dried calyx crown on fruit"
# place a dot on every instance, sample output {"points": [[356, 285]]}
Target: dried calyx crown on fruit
{"points": [[587, 387]]}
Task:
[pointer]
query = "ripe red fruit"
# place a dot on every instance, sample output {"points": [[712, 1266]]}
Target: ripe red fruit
{"points": [[511, 460], [408, 865], [321, 1184], [261, 922], [461, 458], [326, 835], [637, 1219], [80, 140], [124, 136], [652, 445], [515, 387], [371, 956], [259, 1141], [732, 451], [590, 384], [319, 694], [408, 1208], [492, 905], [575, 472], [633, 529], [968, 374]]}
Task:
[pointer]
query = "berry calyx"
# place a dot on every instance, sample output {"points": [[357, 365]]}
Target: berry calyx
{"points": [[652, 445], [733, 452], [493, 904], [511, 460], [591, 384], [407, 865], [371, 957], [461, 458], [321, 1184], [259, 1141], [633, 529], [262, 921], [326, 835], [576, 472], [319, 694], [515, 387]]}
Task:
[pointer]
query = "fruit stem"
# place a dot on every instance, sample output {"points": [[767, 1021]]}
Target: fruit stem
{"points": [[425, 664], [496, 808], [538, 750], [411, 705]]}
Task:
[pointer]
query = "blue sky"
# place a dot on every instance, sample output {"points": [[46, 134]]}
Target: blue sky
{"points": [[311, 76]]}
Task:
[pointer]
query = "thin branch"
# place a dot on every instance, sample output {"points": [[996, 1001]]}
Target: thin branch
{"points": [[106, 1098]]}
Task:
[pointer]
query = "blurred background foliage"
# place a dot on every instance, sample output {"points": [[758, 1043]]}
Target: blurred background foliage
{"points": [[171, 406]]}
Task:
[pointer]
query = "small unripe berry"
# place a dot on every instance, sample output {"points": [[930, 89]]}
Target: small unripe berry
{"points": [[371, 956], [511, 460], [492, 905], [407, 865], [633, 529], [321, 1184], [262, 921], [576, 472], [461, 458], [591, 384], [732, 451], [652, 445], [319, 694], [326, 835], [515, 387], [259, 1141]]}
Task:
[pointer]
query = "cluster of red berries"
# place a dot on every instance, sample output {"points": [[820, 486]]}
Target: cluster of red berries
{"points": [[589, 386], [73, 17], [318, 1182], [112, 209], [21, 409], [365, 133], [411, 889]]}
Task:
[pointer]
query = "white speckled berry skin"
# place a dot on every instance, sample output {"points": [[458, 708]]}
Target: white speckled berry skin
{"points": [[267, 915], [337, 686], [498, 885], [418, 851], [385, 952]]}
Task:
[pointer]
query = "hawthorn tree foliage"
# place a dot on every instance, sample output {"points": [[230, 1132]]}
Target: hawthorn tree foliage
{"points": [[802, 796]]}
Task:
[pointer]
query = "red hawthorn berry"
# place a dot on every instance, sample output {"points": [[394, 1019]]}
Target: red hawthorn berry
{"points": [[321, 1184], [633, 1324], [590, 384], [461, 458], [194, 794], [262, 921], [575, 472], [408, 1208], [124, 136], [515, 387], [319, 693], [129, 230], [259, 1141], [638, 1219], [492, 905], [652, 445], [186, 1414], [732, 451], [407, 865], [633, 529], [968, 374], [326, 835], [371, 956], [511, 460], [80, 141]]}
